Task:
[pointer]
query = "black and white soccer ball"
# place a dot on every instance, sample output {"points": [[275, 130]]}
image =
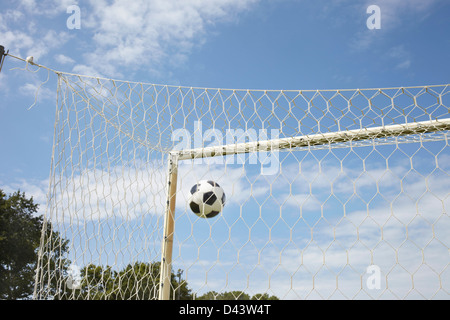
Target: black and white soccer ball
{"points": [[207, 199]]}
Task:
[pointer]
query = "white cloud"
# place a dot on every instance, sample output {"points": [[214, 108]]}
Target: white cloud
{"points": [[46, 43], [118, 35], [37, 91], [17, 41], [147, 33], [404, 64], [24, 37], [400, 56], [45, 7], [63, 59], [127, 192], [86, 70]]}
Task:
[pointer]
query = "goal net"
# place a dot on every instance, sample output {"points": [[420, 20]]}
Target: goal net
{"points": [[330, 194]]}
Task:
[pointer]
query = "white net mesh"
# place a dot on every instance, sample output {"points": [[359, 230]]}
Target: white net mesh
{"points": [[336, 216]]}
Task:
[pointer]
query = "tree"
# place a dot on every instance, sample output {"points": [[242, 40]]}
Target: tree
{"points": [[138, 281], [19, 238], [98, 283], [20, 235], [234, 295], [264, 296]]}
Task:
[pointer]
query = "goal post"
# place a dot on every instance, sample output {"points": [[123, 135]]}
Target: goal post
{"points": [[316, 139], [169, 228], [329, 193], [270, 145]]}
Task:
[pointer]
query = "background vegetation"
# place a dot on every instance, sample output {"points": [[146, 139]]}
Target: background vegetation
{"points": [[20, 238]]}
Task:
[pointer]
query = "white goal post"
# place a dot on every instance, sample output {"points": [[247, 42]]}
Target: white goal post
{"points": [[316, 139], [329, 193], [270, 145]]}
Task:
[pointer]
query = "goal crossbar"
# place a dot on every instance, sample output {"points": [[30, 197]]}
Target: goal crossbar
{"points": [[316, 139]]}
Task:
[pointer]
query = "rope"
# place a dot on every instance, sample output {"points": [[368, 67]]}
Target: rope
{"points": [[30, 61]]}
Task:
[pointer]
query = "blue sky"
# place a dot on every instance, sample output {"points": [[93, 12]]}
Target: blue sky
{"points": [[237, 44], [283, 44]]}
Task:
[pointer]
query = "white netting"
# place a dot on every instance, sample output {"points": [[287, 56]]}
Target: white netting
{"points": [[348, 217]]}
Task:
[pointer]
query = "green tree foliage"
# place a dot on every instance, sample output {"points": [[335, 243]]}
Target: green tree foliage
{"points": [[235, 295], [264, 296], [20, 236], [138, 281], [98, 283]]}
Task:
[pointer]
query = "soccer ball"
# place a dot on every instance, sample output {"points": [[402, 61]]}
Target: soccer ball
{"points": [[207, 199]]}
